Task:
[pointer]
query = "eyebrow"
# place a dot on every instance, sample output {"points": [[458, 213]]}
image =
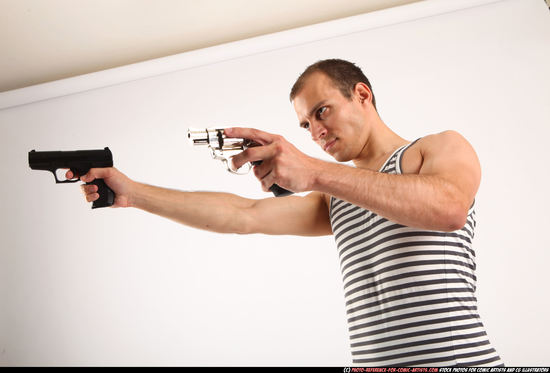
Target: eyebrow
{"points": [[314, 109]]}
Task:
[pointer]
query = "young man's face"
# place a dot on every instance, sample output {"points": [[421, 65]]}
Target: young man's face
{"points": [[334, 121]]}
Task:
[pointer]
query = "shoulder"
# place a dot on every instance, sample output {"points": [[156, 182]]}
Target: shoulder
{"points": [[436, 148], [441, 141]]}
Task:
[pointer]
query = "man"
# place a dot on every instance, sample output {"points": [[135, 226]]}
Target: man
{"points": [[403, 218]]}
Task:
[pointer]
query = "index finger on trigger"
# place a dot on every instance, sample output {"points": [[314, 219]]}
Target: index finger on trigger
{"points": [[260, 137], [257, 153]]}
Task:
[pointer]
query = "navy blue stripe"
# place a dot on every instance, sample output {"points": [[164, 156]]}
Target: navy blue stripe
{"points": [[379, 302], [401, 152], [404, 235], [486, 361], [337, 223], [411, 315], [399, 307], [339, 207], [400, 245], [422, 342], [406, 254], [455, 357], [419, 263], [415, 325], [388, 289], [429, 351], [401, 276], [341, 243], [419, 333], [391, 159]]}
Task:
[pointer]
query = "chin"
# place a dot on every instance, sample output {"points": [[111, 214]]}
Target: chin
{"points": [[340, 157]]}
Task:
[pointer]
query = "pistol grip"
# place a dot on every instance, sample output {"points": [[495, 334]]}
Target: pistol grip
{"points": [[106, 194]]}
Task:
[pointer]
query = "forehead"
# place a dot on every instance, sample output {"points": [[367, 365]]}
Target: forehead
{"points": [[316, 87], [317, 83]]}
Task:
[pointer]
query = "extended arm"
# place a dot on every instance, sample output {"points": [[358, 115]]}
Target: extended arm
{"points": [[217, 212], [229, 213]]}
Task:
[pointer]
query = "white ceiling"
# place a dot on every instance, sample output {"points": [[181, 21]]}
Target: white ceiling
{"points": [[45, 40]]}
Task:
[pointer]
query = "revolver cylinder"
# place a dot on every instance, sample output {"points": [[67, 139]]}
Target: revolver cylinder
{"points": [[215, 138]]}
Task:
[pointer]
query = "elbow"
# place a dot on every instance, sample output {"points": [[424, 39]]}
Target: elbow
{"points": [[455, 218]]}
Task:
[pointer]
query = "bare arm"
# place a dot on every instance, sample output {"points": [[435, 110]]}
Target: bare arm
{"points": [[217, 212]]}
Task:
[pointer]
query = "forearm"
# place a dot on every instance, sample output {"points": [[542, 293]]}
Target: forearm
{"points": [[421, 201], [217, 212]]}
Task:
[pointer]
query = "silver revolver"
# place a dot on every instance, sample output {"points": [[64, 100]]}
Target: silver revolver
{"points": [[224, 148]]}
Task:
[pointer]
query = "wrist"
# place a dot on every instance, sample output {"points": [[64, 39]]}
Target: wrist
{"points": [[135, 194], [326, 176], [317, 169]]}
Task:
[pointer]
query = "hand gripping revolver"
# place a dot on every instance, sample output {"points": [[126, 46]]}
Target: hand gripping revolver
{"points": [[224, 148]]}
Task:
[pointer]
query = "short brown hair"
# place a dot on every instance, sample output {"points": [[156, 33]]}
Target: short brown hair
{"points": [[343, 74]]}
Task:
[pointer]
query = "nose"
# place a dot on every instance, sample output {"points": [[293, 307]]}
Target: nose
{"points": [[318, 131]]}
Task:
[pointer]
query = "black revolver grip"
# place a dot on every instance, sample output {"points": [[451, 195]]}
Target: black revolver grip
{"points": [[275, 189], [106, 194], [279, 192]]}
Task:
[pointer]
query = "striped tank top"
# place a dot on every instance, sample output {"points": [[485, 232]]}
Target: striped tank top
{"points": [[410, 293]]}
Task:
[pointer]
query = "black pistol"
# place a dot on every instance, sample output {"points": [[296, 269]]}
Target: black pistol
{"points": [[79, 162]]}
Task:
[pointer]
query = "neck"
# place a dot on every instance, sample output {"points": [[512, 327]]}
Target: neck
{"points": [[381, 142]]}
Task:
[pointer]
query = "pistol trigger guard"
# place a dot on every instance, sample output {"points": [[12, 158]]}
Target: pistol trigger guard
{"points": [[57, 181]]}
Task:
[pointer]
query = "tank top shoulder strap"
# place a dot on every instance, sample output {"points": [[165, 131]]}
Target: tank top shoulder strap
{"points": [[399, 155]]}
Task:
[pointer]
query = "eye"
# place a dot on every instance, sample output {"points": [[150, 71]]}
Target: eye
{"points": [[321, 111], [305, 125]]}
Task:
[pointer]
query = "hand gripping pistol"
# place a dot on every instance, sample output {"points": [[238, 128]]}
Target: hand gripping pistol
{"points": [[79, 162], [224, 148]]}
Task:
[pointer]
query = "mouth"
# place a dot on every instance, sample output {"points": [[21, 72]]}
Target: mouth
{"points": [[329, 145]]}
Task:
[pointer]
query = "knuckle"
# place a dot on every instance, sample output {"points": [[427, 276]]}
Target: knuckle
{"points": [[109, 172], [257, 172], [248, 154]]}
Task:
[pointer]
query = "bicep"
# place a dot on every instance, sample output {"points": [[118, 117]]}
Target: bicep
{"points": [[450, 156], [292, 215]]}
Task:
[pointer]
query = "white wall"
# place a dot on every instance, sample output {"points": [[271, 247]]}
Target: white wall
{"points": [[121, 287], [42, 41]]}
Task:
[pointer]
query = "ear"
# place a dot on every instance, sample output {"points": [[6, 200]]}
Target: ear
{"points": [[362, 93]]}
